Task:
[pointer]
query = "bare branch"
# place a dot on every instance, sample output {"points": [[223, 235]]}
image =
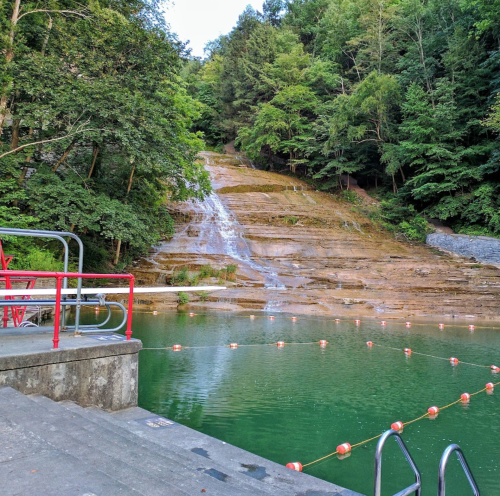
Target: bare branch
{"points": [[41, 142], [73, 12]]}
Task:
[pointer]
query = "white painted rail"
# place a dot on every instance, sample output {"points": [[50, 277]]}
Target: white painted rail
{"points": [[94, 291]]}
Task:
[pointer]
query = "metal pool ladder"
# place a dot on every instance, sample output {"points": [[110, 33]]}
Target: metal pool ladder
{"points": [[442, 469], [416, 488]]}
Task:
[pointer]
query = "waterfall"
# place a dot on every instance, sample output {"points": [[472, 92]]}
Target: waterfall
{"points": [[220, 233]]}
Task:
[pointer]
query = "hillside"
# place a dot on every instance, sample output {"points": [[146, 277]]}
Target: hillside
{"points": [[303, 251]]}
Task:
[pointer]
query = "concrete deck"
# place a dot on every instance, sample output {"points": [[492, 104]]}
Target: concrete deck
{"points": [[49, 449], [60, 448]]}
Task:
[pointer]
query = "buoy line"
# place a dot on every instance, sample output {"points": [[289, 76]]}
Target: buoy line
{"points": [[432, 412], [452, 360], [279, 344]]}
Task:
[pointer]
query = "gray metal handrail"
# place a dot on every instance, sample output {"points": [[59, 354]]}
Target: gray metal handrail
{"points": [[415, 488], [38, 233], [465, 466]]}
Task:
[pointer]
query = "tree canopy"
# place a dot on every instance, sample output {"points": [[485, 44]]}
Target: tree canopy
{"points": [[95, 122], [404, 94]]}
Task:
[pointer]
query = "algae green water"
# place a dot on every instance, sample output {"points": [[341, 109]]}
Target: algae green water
{"points": [[298, 403]]}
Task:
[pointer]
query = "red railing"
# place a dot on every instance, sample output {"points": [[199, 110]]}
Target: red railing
{"points": [[59, 276]]}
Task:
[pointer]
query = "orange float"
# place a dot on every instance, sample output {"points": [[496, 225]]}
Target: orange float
{"points": [[397, 426], [280, 344], [369, 344], [233, 345], [177, 347], [295, 466], [344, 448], [454, 361], [433, 410], [323, 343], [407, 351], [465, 397]]}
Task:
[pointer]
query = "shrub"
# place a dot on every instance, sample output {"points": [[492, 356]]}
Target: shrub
{"points": [[290, 220], [415, 229], [350, 196], [183, 298], [203, 295], [180, 276], [231, 269]]}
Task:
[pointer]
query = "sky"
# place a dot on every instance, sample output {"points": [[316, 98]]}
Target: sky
{"points": [[201, 21]]}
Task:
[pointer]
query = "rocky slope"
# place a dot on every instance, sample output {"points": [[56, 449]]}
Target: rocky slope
{"points": [[303, 251]]}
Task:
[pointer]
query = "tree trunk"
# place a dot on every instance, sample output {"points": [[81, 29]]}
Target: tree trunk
{"points": [[15, 134], [64, 156], [402, 174], [95, 153], [129, 187], [9, 54], [394, 187], [118, 247]]}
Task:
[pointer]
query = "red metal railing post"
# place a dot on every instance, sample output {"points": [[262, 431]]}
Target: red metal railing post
{"points": [[59, 276], [128, 332], [57, 311]]}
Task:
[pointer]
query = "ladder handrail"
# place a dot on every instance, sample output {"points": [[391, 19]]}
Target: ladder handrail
{"points": [[415, 488], [465, 466]]}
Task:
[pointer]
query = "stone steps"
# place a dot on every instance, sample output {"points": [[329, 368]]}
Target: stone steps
{"points": [[49, 448]]}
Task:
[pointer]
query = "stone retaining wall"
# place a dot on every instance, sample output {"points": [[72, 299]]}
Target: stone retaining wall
{"points": [[103, 375], [480, 248]]}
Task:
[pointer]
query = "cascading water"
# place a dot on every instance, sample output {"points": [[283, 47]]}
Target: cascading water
{"points": [[220, 233]]}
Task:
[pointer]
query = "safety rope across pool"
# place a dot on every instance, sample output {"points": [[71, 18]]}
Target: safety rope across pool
{"points": [[428, 414]]}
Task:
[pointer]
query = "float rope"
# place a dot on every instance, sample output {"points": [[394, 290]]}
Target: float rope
{"points": [[404, 424], [229, 346], [430, 356]]}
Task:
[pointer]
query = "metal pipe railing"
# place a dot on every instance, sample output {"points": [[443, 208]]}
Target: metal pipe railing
{"points": [[415, 488], [465, 466], [38, 233], [59, 276]]}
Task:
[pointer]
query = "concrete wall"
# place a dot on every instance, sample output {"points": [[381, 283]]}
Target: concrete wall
{"points": [[104, 375], [480, 248]]}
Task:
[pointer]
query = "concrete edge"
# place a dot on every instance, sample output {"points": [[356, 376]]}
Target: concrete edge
{"points": [[63, 355]]}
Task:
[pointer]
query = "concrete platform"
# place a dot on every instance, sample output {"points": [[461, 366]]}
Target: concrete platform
{"points": [[97, 370], [49, 448]]}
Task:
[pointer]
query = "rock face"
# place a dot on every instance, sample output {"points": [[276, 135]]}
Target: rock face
{"points": [[302, 251]]}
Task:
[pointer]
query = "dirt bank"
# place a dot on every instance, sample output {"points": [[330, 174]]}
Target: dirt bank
{"points": [[303, 251]]}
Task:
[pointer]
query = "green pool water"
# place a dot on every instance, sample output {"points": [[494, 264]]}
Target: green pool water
{"points": [[298, 403]]}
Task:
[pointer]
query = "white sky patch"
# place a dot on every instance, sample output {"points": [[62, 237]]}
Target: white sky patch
{"points": [[201, 21]]}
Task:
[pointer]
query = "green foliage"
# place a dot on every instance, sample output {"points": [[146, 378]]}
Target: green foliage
{"points": [[99, 131], [207, 271], [290, 220], [38, 259], [231, 269], [404, 220], [350, 196], [403, 93], [182, 298], [180, 276], [202, 295]]}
